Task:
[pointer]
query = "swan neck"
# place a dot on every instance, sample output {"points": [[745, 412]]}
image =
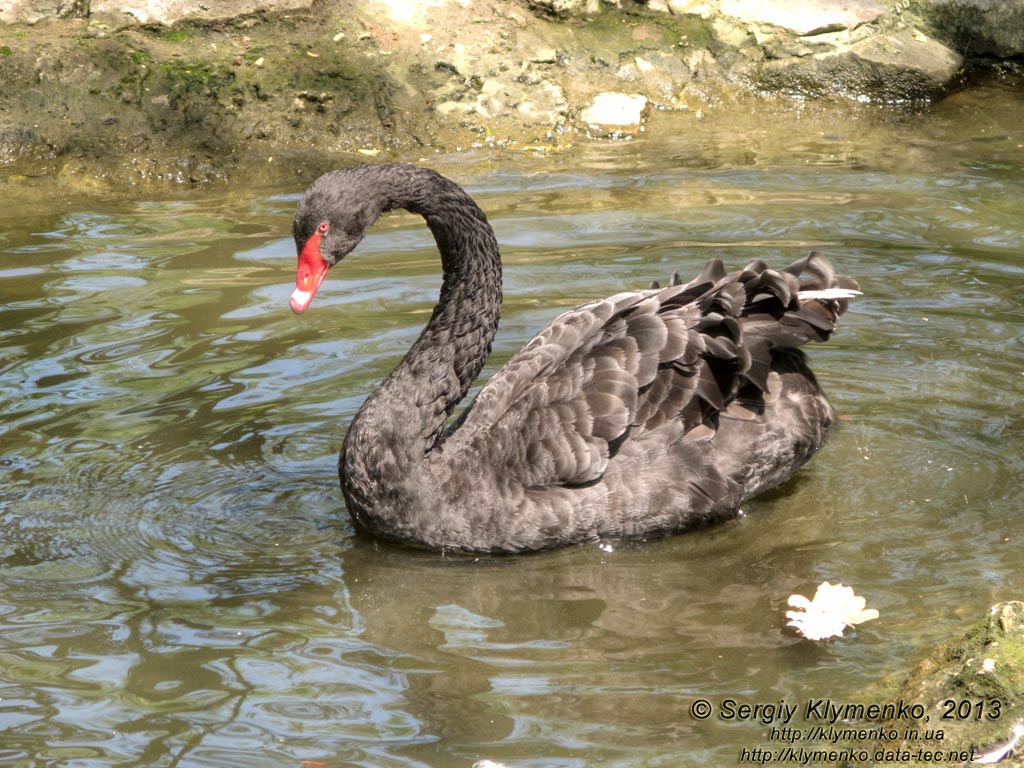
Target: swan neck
{"points": [[403, 421]]}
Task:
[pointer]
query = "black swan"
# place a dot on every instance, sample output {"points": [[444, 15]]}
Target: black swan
{"points": [[643, 414]]}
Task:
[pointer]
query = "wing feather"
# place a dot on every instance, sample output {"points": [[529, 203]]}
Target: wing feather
{"points": [[620, 368]]}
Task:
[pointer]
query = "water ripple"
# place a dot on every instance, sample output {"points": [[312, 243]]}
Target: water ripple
{"points": [[180, 582]]}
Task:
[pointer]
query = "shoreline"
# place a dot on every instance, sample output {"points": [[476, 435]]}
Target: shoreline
{"points": [[112, 98]]}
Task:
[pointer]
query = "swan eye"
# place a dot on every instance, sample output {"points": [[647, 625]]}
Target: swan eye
{"points": [[323, 227]]}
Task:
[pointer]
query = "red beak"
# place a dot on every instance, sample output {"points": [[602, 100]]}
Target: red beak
{"points": [[311, 272]]}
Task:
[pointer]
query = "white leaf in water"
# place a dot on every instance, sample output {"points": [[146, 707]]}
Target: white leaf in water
{"points": [[833, 609], [1001, 753], [488, 764]]}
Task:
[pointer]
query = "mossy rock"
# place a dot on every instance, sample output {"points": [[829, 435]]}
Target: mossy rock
{"points": [[971, 691]]}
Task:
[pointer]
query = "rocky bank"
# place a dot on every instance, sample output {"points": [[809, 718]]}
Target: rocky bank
{"points": [[156, 91], [970, 696]]}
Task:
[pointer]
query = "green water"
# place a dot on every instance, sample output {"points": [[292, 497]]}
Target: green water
{"points": [[180, 584]]}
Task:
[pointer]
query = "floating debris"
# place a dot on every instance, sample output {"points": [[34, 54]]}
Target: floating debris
{"points": [[833, 609]]}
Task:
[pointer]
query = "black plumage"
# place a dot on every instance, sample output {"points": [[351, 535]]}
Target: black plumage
{"points": [[642, 414]]}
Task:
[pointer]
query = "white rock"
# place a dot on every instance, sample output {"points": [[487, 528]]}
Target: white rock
{"points": [[616, 110]]}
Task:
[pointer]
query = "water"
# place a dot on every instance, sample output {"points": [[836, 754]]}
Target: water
{"points": [[179, 582]]}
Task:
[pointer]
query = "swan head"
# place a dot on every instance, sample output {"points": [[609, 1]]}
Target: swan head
{"points": [[330, 221]]}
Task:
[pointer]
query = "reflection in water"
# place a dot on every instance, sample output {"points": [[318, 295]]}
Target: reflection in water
{"points": [[180, 586]]}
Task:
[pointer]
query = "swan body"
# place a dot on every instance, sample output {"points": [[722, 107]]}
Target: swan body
{"points": [[642, 414]]}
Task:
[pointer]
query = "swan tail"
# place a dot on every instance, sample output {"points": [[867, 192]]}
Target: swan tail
{"points": [[796, 304], [745, 319]]}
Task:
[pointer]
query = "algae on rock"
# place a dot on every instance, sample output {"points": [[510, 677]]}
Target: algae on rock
{"points": [[972, 689]]}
